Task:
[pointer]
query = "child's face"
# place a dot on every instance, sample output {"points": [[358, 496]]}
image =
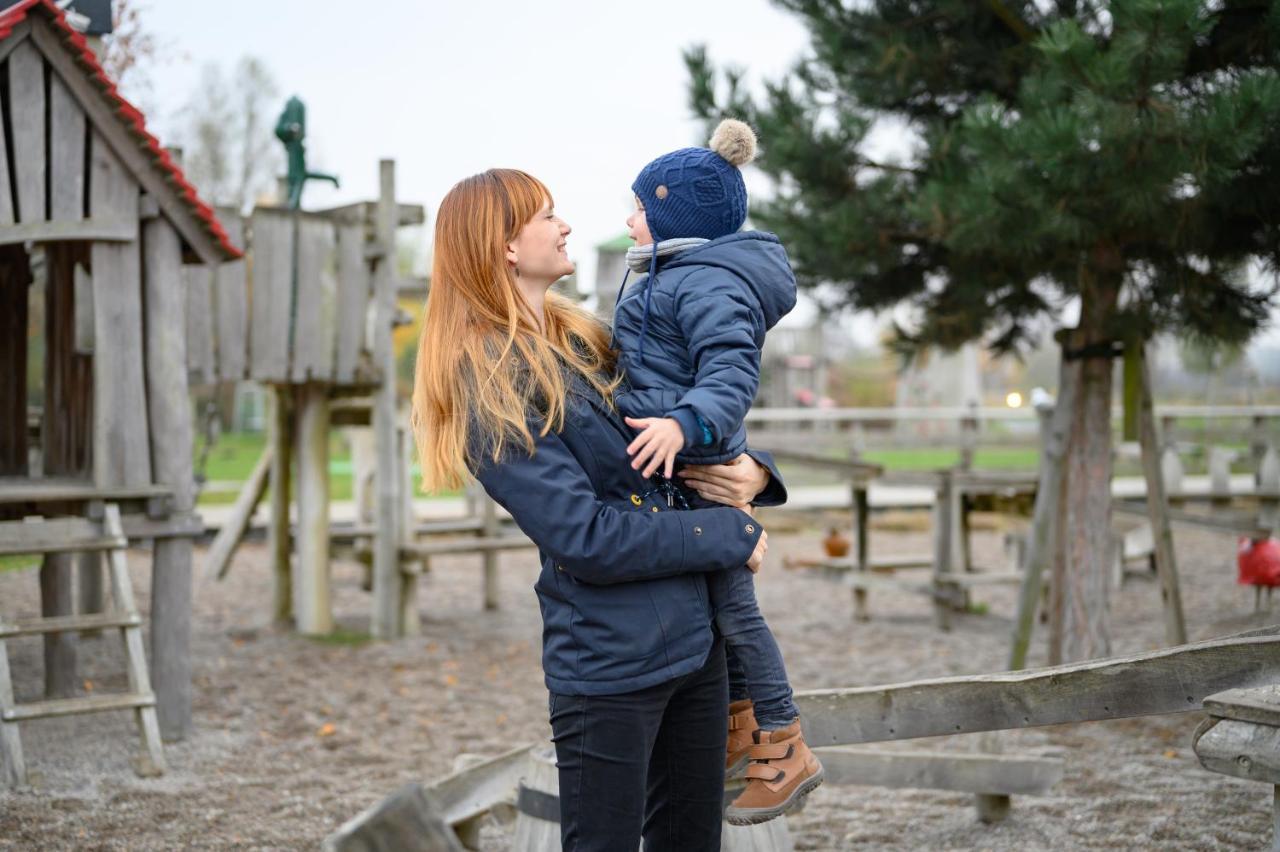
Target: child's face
{"points": [[638, 226]]}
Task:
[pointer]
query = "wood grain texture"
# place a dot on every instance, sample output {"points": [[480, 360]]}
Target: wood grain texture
{"points": [[27, 105]]}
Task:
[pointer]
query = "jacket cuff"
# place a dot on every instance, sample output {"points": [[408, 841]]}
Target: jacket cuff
{"points": [[718, 539], [689, 424], [775, 493]]}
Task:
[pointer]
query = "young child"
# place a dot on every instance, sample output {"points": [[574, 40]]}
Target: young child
{"points": [[689, 337]]}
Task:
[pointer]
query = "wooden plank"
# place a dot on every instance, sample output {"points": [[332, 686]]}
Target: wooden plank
{"points": [[387, 583], [111, 129], [27, 105], [346, 532], [67, 490], [67, 128], [1169, 680], [196, 286], [54, 535], [466, 545], [279, 542], [77, 706], [1260, 704], [140, 527], [1001, 774], [13, 768], [489, 534], [151, 761], [407, 821], [471, 792], [121, 449], [1175, 623], [361, 211], [172, 440], [315, 329], [1239, 749], [312, 605], [218, 561], [352, 351], [269, 310], [231, 296], [37, 626], [7, 216], [82, 286], [1235, 525], [57, 598]]}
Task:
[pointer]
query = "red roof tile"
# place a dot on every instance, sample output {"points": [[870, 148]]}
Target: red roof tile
{"points": [[127, 112]]}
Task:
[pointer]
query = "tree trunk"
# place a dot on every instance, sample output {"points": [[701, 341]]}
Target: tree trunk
{"points": [[1081, 626]]}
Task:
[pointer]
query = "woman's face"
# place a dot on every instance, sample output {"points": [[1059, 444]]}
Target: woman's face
{"points": [[638, 226], [539, 250]]}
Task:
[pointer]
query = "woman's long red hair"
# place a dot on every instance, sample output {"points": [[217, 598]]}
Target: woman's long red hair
{"points": [[483, 366]]}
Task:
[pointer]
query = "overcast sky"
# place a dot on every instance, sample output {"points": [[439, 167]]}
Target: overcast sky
{"points": [[580, 94]]}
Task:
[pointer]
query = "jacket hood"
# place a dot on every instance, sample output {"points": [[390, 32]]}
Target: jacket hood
{"points": [[758, 258]]}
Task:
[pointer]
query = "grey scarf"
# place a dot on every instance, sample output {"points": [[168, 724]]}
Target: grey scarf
{"points": [[638, 256]]}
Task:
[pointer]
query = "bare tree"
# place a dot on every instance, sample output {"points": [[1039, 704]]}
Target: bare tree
{"points": [[230, 153]]}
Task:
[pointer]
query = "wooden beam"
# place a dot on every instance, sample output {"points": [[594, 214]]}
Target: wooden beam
{"points": [[408, 821], [1237, 525], [126, 147], [466, 545], [312, 603], [1169, 680], [67, 125], [231, 295], [98, 230], [1239, 749], [1260, 705], [999, 774], [19, 34], [27, 104], [172, 439], [218, 561], [196, 290], [1175, 623], [387, 584], [16, 490], [56, 535], [362, 211], [352, 349]]}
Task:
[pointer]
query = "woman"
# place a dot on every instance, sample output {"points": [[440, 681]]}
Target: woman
{"points": [[514, 386]]}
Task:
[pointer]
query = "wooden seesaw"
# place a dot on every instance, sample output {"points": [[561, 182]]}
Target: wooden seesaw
{"points": [[1236, 679]]}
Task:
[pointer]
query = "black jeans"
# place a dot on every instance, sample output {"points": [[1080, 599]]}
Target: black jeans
{"points": [[646, 763]]}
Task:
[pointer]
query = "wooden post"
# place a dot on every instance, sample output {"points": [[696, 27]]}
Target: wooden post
{"points": [[490, 531], [169, 416], [1055, 423], [1269, 481], [1175, 628], [15, 281], [61, 678], [312, 602], [386, 554], [944, 531], [968, 437], [279, 542], [409, 624], [861, 512]]}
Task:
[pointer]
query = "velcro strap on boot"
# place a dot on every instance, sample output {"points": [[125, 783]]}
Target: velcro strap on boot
{"points": [[764, 772], [771, 751], [735, 723]]}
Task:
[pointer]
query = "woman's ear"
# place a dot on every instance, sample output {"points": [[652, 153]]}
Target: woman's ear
{"points": [[512, 257]]}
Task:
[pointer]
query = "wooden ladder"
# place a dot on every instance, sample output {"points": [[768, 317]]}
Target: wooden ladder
{"points": [[72, 535]]}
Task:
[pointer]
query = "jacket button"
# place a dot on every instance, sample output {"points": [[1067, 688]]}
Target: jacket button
{"points": [[697, 530], [635, 499], [750, 528], [653, 508], [559, 567]]}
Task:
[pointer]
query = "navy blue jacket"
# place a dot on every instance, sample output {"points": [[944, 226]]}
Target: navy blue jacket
{"points": [[695, 357], [623, 587]]}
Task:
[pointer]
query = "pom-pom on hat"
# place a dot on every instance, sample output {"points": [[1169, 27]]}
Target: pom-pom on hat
{"points": [[698, 192]]}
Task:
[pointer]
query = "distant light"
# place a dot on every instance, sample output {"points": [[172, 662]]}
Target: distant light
{"points": [[1013, 400]]}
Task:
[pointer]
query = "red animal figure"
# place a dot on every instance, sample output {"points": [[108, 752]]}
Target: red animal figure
{"points": [[1258, 565]]}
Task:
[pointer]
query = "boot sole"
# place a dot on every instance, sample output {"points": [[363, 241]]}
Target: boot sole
{"points": [[754, 816]]}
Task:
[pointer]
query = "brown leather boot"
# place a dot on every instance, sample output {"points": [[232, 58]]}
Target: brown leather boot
{"points": [[742, 725], [782, 772]]}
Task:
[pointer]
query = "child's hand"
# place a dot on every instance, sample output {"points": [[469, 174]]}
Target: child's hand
{"points": [[659, 440]]}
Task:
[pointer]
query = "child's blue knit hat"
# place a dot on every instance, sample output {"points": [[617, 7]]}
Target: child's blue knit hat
{"points": [[698, 192]]}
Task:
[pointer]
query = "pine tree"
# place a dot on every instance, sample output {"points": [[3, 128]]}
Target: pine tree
{"points": [[1123, 154]]}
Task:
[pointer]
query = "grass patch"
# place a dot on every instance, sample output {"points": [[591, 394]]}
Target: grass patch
{"points": [[343, 638], [20, 562], [1015, 458]]}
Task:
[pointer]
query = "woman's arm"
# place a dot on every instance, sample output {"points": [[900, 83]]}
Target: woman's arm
{"points": [[750, 478], [552, 500]]}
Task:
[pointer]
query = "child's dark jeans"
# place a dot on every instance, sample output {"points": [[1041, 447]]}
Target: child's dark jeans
{"points": [[755, 663]]}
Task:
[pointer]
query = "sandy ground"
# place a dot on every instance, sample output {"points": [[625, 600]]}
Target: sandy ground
{"points": [[294, 736]]}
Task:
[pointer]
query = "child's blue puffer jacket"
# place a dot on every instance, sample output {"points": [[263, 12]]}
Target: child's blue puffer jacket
{"points": [[695, 357]]}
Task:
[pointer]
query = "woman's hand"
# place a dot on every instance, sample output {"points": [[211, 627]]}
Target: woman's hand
{"points": [[735, 483], [757, 556]]}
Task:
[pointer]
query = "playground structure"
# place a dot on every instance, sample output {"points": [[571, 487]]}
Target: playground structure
{"points": [[97, 221]]}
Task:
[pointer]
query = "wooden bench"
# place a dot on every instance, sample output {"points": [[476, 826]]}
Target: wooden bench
{"points": [[64, 535]]}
